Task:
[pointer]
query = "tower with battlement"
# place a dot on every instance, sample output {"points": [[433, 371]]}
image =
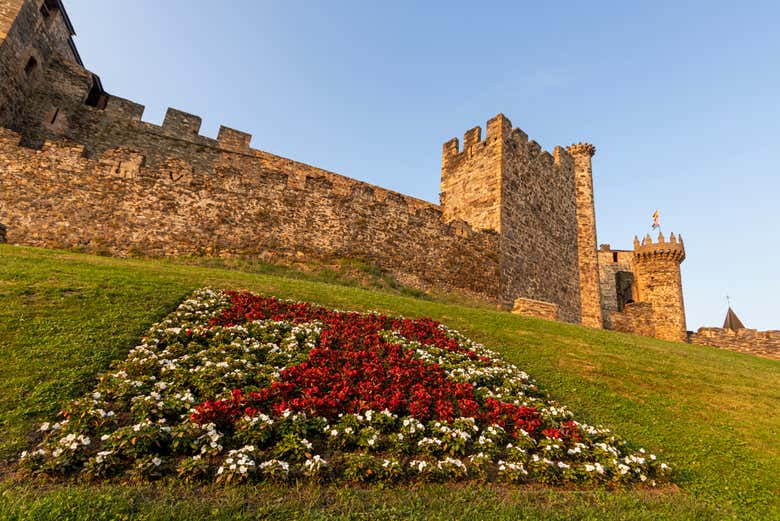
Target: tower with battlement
{"points": [[509, 185], [658, 282], [641, 288]]}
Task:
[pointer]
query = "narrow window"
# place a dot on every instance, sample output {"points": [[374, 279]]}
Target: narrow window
{"points": [[54, 117], [32, 63], [614, 256]]}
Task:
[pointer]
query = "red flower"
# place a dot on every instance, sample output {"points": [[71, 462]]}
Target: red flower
{"points": [[353, 369]]}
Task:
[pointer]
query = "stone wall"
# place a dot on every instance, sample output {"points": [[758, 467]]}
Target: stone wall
{"points": [[32, 33], [539, 235], [470, 178], [614, 265], [91, 174], [118, 204], [532, 216], [535, 308], [636, 318], [509, 184], [750, 341]]}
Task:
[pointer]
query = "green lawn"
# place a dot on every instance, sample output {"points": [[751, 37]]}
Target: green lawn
{"points": [[713, 414]]}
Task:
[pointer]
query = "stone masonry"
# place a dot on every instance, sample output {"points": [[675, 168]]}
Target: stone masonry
{"points": [[116, 204], [743, 340], [616, 281], [535, 308], [636, 318], [508, 184], [515, 224], [586, 234]]}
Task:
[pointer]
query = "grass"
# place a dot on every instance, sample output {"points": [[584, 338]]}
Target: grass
{"points": [[711, 413]]}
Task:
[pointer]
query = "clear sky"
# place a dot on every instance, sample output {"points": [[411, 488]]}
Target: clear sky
{"points": [[680, 99]]}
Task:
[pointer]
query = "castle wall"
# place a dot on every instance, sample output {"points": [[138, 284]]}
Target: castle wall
{"points": [[27, 34], [636, 318], [104, 180], [611, 262], [471, 178], [119, 204], [119, 124], [508, 184], [539, 230], [750, 341]]}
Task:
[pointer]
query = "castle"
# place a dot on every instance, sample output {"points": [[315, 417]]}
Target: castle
{"points": [[515, 224]]}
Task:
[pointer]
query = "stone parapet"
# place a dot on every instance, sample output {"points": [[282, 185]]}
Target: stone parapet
{"points": [[673, 249], [750, 341], [240, 204]]}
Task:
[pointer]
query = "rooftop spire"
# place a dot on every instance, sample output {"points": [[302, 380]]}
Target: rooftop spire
{"points": [[732, 321]]}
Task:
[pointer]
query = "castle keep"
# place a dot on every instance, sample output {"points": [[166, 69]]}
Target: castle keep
{"points": [[515, 224]]}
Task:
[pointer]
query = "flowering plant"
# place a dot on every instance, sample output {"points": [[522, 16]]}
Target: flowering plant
{"points": [[234, 387]]}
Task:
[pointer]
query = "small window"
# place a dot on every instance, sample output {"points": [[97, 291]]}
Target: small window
{"points": [[614, 256], [96, 97], [32, 64]]}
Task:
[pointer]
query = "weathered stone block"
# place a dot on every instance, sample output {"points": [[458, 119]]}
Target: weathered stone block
{"points": [[535, 308]]}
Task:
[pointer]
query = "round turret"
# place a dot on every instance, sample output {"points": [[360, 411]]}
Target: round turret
{"points": [[658, 281], [674, 248]]}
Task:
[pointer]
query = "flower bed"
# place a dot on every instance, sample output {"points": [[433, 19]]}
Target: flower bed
{"points": [[235, 387]]}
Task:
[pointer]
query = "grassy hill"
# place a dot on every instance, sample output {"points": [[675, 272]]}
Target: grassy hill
{"points": [[713, 414]]}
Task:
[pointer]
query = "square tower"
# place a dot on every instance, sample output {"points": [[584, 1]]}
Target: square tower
{"points": [[507, 184]]}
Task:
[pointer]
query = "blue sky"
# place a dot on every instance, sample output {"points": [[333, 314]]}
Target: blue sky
{"points": [[681, 102]]}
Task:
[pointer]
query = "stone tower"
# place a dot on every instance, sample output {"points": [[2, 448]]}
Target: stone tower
{"points": [[658, 281], [508, 185], [586, 235]]}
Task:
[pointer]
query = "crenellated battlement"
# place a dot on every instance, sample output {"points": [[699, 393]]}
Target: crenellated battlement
{"points": [[584, 149], [235, 140], [673, 249], [132, 164], [181, 124], [504, 182], [499, 131], [119, 202], [561, 157]]}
